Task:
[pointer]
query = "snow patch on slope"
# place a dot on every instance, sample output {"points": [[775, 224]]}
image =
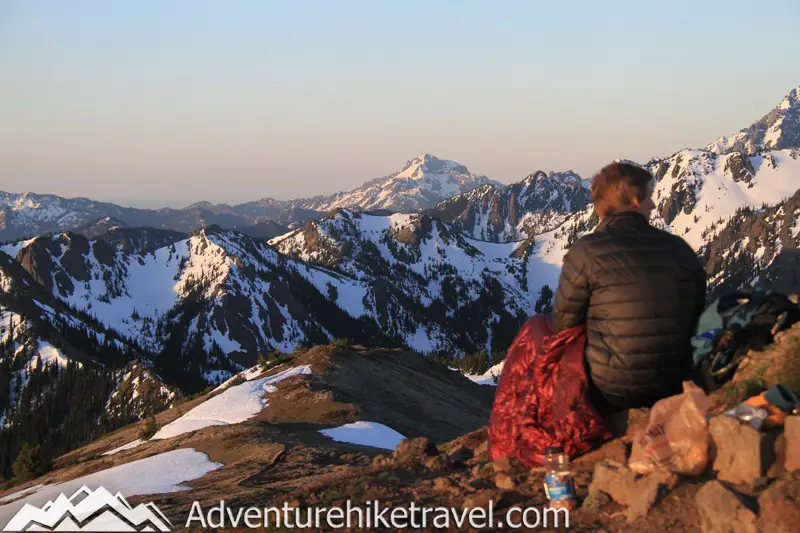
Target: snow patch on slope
{"points": [[124, 447], [158, 474], [365, 434], [232, 406]]}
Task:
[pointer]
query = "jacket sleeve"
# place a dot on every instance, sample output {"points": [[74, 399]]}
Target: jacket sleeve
{"points": [[572, 297]]}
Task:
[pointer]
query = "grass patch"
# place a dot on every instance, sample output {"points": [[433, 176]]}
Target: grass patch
{"points": [[342, 344], [388, 476], [271, 360]]}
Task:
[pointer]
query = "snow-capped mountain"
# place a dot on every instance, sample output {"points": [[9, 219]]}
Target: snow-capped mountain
{"points": [[203, 307], [99, 227], [756, 246], [707, 198], [698, 191], [180, 303], [429, 285], [537, 204], [65, 378], [778, 129], [138, 240], [422, 183]]}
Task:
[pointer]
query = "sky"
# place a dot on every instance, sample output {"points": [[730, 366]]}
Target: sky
{"points": [[154, 103]]}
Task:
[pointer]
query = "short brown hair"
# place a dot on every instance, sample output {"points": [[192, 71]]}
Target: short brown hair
{"points": [[615, 186]]}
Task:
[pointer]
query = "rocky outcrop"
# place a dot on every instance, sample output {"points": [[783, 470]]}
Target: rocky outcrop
{"points": [[532, 206], [721, 511]]}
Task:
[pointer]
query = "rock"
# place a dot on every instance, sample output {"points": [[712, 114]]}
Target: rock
{"points": [[722, 512], [294, 504], [442, 484], [596, 500], [779, 505], [741, 454], [625, 486], [459, 456], [480, 471], [482, 449], [503, 464], [619, 482], [381, 460], [792, 435], [614, 450], [438, 462], [760, 484], [642, 504], [504, 482], [778, 468], [482, 500], [414, 450]]}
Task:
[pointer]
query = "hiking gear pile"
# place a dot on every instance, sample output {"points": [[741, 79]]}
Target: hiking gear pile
{"points": [[769, 409], [737, 322], [542, 396]]}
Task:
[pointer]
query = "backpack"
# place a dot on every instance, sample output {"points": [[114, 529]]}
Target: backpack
{"points": [[734, 324]]}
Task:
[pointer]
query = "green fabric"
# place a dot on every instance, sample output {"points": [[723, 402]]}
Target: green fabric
{"points": [[783, 398]]}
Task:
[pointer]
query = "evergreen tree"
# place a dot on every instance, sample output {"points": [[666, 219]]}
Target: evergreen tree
{"points": [[544, 304], [27, 464], [150, 429]]}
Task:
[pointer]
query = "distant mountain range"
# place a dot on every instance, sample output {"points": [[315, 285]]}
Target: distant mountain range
{"points": [[28, 215], [421, 184]]}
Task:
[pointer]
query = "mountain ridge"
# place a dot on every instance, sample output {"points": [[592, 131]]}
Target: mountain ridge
{"points": [[778, 129]]}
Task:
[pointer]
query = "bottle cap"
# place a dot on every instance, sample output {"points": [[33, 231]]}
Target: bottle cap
{"points": [[554, 449]]}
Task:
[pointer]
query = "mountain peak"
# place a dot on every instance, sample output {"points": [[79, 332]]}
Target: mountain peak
{"points": [[421, 184], [568, 176], [790, 100], [426, 163], [778, 129]]}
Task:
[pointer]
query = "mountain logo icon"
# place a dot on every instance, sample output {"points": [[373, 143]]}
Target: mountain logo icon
{"points": [[89, 510]]}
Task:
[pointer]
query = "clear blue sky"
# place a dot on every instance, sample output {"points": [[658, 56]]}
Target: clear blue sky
{"points": [[165, 103]]}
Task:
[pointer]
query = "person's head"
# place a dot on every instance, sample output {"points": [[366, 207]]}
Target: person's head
{"points": [[622, 187]]}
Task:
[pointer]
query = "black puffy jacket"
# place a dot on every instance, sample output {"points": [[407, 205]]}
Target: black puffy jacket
{"points": [[640, 292]]}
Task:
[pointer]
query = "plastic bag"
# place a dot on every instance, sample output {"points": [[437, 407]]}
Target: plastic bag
{"points": [[676, 438], [755, 416]]}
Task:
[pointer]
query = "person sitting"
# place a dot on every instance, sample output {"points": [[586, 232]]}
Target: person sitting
{"points": [[638, 289]]}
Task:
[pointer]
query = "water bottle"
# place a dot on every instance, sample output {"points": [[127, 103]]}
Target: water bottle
{"points": [[558, 484]]}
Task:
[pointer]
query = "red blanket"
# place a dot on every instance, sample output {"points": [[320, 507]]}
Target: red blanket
{"points": [[542, 397]]}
